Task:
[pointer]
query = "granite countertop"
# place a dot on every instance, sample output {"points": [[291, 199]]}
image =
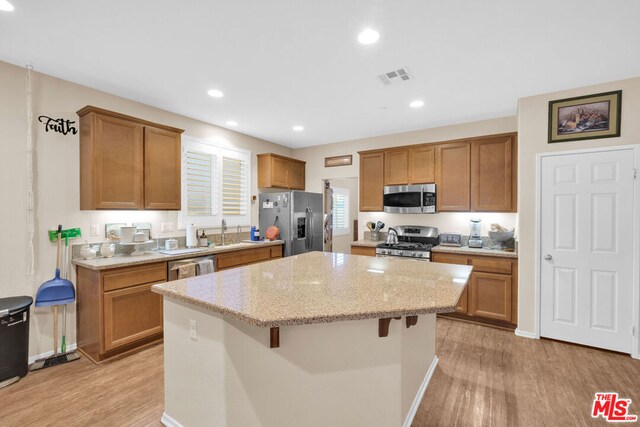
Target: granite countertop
{"points": [[321, 287], [124, 261], [465, 250], [367, 243]]}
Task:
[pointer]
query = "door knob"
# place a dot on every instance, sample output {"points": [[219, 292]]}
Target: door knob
{"points": [[548, 257]]}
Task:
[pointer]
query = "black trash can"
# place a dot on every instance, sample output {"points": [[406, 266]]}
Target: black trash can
{"points": [[14, 336]]}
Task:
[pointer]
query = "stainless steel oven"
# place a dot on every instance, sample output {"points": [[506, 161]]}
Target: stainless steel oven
{"points": [[410, 198]]}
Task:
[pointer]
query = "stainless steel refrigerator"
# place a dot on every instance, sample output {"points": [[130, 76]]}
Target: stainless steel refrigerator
{"points": [[298, 214]]}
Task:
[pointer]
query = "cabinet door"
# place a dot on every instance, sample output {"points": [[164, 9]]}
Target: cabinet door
{"points": [[490, 296], [396, 167], [492, 174], [279, 172], [463, 305], [453, 177], [243, 257], [296, 175], [422, 162], [131, 314], [371, 181], [363, 250], [118, 164], [161, 169]]}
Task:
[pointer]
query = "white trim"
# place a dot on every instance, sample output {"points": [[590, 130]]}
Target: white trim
{"points": [[418, 399], [525, 334], [635, 344], [70, 347], [167, 421]]}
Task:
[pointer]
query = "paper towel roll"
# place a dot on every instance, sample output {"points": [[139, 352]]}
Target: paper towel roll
{"points": [[192, 237]]}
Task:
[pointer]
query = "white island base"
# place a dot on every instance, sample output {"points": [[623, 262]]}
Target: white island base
{"points": [[324, 374]]}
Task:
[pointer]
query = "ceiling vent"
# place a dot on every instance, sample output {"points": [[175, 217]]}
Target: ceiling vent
{"points": [[396, 76]]}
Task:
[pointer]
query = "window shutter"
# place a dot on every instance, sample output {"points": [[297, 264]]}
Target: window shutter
{"points": [[340, 210], [234, 190], [200, 185]]}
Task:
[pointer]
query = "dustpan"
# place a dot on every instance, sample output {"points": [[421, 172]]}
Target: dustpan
{"points": [[56, 291]]}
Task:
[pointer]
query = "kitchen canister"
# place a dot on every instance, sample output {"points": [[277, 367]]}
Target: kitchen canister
{"points": [[192, 236], [127, 234], [171, 244]]}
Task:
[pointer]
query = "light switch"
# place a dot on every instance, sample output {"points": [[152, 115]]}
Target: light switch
{"points": [[193, 332], [95, 230]]}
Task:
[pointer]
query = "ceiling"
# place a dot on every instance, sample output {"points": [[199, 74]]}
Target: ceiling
{"points": [[284, 63]]}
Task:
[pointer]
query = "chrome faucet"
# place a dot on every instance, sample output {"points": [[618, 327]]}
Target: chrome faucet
{"points": [[238, 231], [224, 230]]}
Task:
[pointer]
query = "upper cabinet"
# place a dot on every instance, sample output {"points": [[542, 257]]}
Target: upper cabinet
{"points": [[493, 184], [127, 163], [396, 167], [453, 177], [276, 171], [422, 163], [371, 181], [471, 175]]}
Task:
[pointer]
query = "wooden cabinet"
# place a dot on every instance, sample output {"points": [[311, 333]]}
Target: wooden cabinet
{"points": [[396, 167], [116, 310], [363, 250], [491, 295], [471, 175], [227, 260], [127, 163], [371, 181], [162, 179], [422, 163], [453, 177], [276, 171], [493, 186]]}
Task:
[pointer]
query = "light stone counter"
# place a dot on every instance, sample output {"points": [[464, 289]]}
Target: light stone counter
{"points": [[125, 261], [320, 287], [465, 250]]}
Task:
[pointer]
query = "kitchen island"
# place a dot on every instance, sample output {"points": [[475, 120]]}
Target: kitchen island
{"points": [[315, 339]]}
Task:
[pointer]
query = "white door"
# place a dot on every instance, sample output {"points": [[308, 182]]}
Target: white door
{"points": [[586, 274]]}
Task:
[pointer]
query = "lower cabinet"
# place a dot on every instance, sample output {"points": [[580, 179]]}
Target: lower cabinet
{"points": [[491, 295], [130, 315], [116, 311], [233, 259], [363, 250]]}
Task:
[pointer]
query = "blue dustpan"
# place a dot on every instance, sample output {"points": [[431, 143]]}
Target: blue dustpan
{"points": [[56, 291]]}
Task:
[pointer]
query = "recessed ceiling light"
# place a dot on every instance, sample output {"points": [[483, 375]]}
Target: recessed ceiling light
{"points": [[298, 128], [6, 6], [232, 123], [416, 104], [368, 36], [215, 93]]}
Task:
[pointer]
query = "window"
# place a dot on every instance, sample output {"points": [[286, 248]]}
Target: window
{"points": [[341, 221], [215, 184]]}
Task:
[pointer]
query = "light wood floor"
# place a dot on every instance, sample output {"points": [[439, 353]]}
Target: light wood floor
{"points": [[486, 377]]}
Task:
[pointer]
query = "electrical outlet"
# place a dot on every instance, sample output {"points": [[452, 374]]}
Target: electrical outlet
{"points": [[193, 331], [167, 227], [95, 230]]}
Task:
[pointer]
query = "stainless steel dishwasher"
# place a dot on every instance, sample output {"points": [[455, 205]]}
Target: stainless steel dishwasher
{"points": [[172, 268]]}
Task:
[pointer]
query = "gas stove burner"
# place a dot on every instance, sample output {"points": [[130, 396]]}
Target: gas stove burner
{"points": [[406, 246], [413, 242]]}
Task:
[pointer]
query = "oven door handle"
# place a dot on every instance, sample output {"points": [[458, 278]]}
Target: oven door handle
{"points": [[422, 199]]}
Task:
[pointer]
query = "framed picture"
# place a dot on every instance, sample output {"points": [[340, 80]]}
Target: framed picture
{"points": [[585, 117], [345, 160]]}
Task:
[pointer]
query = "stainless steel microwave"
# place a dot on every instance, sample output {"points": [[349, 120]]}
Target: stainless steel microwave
{"points": [[410, 198]]}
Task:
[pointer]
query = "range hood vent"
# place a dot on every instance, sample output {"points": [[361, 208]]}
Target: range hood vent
{"points": [[396, 76]]}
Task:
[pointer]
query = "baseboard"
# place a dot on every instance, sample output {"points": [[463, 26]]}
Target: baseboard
{"points": [[32, 359], [525, 334], [421, 391], [167, 421]]}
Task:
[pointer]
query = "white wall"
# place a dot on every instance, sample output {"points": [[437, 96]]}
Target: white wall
{"points": [[455, 222], [57, 179], [532, 135]]}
